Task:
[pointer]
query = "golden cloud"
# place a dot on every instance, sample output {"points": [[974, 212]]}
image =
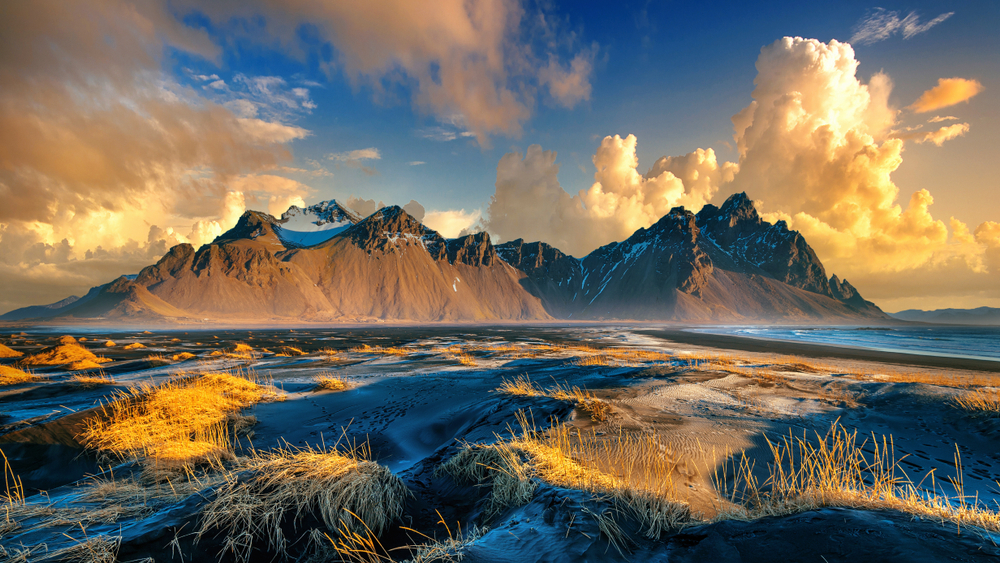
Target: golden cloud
{"points": [[948, 92]]}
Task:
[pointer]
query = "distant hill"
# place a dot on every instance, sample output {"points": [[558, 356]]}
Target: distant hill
{"points": [[323, 263], [979, 316]]}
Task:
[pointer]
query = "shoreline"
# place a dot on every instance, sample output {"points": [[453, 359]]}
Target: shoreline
{"points": [[811, 350]]}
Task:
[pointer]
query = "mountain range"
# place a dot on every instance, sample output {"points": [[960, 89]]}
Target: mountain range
{"points": [[324, 263], [983, 316]]}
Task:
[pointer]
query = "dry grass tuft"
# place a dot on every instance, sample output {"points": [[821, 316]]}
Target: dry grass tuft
{"points": [[381, 350], [90, 380], [98, 549], [12, 376], [6, 352], [585, 400], [342, 489], [289, 351], [157, 360], [464, 359], [630, 469], [134, 346], [66, 352], [327, 382], [838, 470], [178, 424], [82, 365], [981, 402], [183, 356], [109, 344]]}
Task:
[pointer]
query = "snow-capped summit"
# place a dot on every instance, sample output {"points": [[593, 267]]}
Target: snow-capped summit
{"points": [[309, 226]]}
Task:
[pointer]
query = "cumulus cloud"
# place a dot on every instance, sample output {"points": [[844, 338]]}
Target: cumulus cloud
{"points": [[481, 59], [880, 24], [364, 207], [453, 222], [948, 92], [817, 148], [97, 143], [530, 203]]}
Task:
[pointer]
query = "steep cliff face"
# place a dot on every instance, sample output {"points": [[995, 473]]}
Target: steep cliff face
{"points": [[550, 275], [754, 243], [725, 264]]}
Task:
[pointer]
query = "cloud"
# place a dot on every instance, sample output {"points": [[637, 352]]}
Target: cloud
{"points": [[364, 207], [442, 134], [482, 59], [817, 148], [939, 136], [939, 119], [948, 92], [416, 163], [452, 223], [880, 24], [98, 143], [354, 158], [530, 203]]}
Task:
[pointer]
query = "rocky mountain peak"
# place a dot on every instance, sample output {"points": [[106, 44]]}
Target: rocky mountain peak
{"points": [[472, 250], [254, 225], [321, 213], [392, 226]]}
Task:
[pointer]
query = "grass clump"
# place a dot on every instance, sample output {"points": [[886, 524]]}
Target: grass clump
{"points": [[381, 350], [629, 469], [10, 375], [67, 351], [6, 352], [177, 424], [289, 351], [281, 489], [980, 402], [134, 346], [584, 400], [183, 356], [89, 380], [838, 469], [327, 382]]}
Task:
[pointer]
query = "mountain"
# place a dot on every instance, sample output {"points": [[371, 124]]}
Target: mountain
{"points": [[723, 264], [983, 316], [323, 263]]}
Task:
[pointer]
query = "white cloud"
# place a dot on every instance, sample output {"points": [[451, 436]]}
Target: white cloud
{"points": [[452, 222], [880, 24], [416, 162], [939, 119], [358, 155], [939, 136]]}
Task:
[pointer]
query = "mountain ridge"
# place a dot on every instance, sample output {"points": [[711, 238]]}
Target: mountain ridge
{"points": [[721, 264]]}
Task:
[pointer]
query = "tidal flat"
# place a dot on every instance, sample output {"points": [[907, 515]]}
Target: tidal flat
{"points": [[508, 443]]}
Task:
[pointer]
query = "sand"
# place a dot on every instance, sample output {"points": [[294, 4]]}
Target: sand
{"points": [[417, 406]]}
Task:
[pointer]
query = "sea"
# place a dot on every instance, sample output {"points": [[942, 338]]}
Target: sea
{"points": [[972, 342]]}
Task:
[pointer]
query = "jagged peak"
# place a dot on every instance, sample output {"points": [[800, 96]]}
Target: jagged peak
{"points": [[329, 211], [740, 206]]}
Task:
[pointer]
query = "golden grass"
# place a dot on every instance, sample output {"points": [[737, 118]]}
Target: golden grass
{"points": [[183, 356], [837, 470], [10, 375], [980, 402], [289, 351], [464, 359], [630, 469], [134, 346], [66, 352], [98, 549], [327, 382], [109, 344], [342, 489], [93, 379], [6, 352], [177, 424], [381, 350], [584, 400], [331, 354], [157, 360]]}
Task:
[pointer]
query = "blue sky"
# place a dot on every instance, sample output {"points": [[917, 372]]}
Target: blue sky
{"points": [[128, 128]]}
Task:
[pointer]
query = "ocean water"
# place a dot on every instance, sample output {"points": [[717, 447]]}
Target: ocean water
{"points": [[974, 342]]}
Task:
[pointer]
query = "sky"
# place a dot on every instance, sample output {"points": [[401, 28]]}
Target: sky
{"points": [[127, 128]]}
